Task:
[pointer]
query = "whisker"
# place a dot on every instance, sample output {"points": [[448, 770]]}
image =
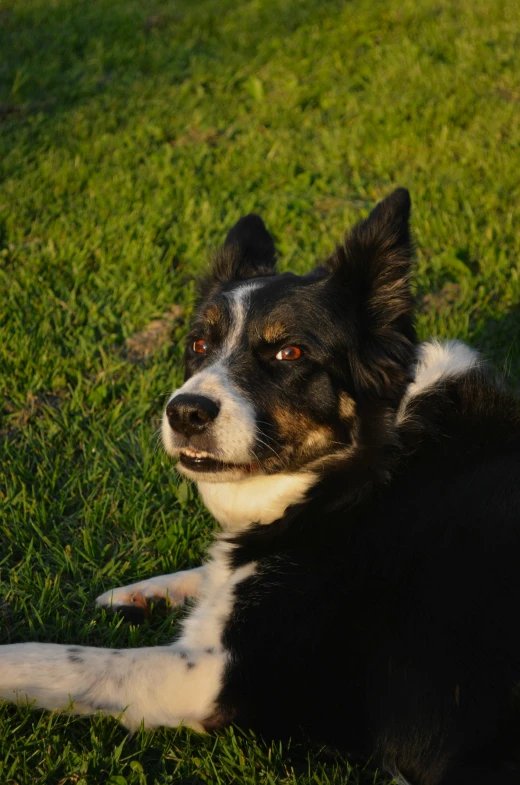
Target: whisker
{"points": [[267, 436], [157, 442], [276, 454], [271, 438]]}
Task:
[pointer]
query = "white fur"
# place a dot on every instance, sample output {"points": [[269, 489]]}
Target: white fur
{"points": [[398, 777], [258, 499], [203, 627], [163, 685], [438, 361], [175, 588], [239, 300]]}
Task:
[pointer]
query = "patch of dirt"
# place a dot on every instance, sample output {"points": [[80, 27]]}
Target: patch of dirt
{"points": [[143, 345], [28, 242], [159, 21], [329, 204], [8, 111], [441, 299], [509, 95], [198, 136], [33, 407]]}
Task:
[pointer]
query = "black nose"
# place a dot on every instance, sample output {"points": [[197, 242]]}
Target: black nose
{"points": [[191, 414]]}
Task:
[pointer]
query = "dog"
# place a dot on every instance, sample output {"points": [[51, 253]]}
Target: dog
{"points": [[365, 588]]}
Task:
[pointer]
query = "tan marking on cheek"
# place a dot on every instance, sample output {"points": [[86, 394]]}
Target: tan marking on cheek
{"points": [[317, 439], [347, 407], [300, 431], [274, 332], [291, 424]]}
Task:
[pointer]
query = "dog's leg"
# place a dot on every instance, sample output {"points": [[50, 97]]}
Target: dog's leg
{"points": [[164, 685], [134, 600]]}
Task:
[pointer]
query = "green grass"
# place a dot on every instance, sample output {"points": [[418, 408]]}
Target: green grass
{"points": [[132, 134]]}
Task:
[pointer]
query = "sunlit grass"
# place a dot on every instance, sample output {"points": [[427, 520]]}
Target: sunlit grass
{"points": [[132, 135]]}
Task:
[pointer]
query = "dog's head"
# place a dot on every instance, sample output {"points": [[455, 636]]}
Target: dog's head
{"points": [[285, 371]]}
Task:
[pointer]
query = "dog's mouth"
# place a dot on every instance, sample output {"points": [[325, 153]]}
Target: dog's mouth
{"points": [[204, 462]]}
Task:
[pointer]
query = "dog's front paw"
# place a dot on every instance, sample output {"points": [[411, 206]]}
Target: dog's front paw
{"points": [[135, 601], [133, 606]]}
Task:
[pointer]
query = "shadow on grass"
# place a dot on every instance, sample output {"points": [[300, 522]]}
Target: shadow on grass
{"points": [[56, 56], [499, 341]]}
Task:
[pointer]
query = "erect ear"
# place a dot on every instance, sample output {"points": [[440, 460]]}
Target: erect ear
{"points": [[248, 251], [372, 270]]}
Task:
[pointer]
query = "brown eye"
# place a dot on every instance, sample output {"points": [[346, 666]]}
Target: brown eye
{"points": [[200, 346], [289, 353]]}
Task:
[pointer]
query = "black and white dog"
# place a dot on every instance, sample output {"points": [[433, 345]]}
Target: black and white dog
{"points": [[366, 586]]}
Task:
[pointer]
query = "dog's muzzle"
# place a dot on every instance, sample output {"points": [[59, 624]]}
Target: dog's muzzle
{"points": [[210, 433]]}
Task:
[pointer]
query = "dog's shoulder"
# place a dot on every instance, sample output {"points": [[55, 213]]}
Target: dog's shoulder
{"points": [[456, 394]]}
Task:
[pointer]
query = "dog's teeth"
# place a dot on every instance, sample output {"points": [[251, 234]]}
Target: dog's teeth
{"points": [[191, 453]]}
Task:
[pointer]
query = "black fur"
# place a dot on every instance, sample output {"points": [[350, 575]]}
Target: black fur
{"points": [[392, 620], [74, 655], [372, 269], [384, 613], [248, 252]]}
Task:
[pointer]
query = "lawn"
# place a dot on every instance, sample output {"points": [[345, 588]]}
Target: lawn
{"points": [[133, 133]]}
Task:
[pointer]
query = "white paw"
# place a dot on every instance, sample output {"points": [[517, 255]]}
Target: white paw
{"points": [[136, 598], [139, 595]]}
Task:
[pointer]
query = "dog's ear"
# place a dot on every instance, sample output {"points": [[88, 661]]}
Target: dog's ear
{"points": [[248, 252], [372, 271]]}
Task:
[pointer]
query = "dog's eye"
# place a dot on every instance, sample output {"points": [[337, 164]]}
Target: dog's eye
{"points": [[289, 353], [200, 346]]}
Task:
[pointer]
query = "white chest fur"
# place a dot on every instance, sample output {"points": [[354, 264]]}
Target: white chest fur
{"points": [[262, 499], [202, 629]]}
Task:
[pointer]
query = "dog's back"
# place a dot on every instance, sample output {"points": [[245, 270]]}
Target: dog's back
{"points": [[388, 622]]}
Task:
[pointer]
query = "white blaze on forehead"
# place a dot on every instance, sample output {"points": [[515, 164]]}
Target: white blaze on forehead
{"points": [[239, 301], [234, 429]]}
